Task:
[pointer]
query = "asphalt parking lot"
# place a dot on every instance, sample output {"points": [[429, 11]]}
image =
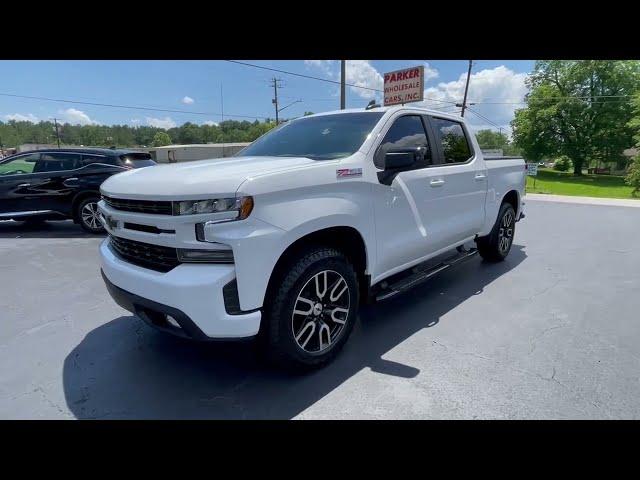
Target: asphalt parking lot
{"points": [[553, 332]]}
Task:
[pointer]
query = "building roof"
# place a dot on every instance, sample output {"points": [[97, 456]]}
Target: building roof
{"points": [[203, 145]]}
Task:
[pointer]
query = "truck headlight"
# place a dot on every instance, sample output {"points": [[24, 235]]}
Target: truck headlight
{"points": [[237, 208]]}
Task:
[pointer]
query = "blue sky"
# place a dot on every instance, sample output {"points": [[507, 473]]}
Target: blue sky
{"points": [[194, 86]]}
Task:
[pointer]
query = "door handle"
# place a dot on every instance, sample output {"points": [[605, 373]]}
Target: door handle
{"points": [[24, 185], [73, 179], [436, 183], [480, 177]]}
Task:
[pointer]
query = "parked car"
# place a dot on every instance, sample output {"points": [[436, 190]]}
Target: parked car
{"points": [[317, 216], [61, 184]]}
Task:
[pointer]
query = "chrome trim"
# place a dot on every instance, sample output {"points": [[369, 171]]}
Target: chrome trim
{"points": [[29, 213]]}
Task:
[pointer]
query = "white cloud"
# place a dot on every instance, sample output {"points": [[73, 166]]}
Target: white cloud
{"points": [[19, 117], [135, 121], [325, 66], [211, 123], [76, 117], [165, 122], [363, 74], [501, 86], [188, 100]]}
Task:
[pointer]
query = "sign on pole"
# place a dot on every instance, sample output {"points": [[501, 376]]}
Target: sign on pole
{"points": [[404, 86], [532, 169]]}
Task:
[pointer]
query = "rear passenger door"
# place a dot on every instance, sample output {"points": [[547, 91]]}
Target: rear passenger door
{"points": [[49, 189], [460, 178]]}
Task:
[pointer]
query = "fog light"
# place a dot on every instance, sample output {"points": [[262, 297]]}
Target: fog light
{"points": [[205, 256]]}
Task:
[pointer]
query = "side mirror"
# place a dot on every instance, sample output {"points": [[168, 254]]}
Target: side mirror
{"points": [[400, 157]]}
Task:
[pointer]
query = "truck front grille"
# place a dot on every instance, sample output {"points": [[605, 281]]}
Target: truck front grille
{"points": [[146, 255], [140, 206]]}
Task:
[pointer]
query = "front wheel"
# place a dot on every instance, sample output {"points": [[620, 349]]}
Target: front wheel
{"points": [[88, 217], [313, 309], [496, 246]]}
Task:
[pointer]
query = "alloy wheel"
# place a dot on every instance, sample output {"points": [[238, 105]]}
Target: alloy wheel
{"points": [[505, 234], [90, 215], [320, 311]]}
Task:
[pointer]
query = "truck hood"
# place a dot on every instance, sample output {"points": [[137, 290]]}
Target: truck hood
{"points": [[197, 179]]}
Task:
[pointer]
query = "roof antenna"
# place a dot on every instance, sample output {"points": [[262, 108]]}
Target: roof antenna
{"points": [[372, 104]]}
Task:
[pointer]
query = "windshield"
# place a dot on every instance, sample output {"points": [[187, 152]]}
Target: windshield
{"points": [[324, 137]]}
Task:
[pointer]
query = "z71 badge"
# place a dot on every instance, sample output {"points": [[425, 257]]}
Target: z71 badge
{"points": [[348, 172]]}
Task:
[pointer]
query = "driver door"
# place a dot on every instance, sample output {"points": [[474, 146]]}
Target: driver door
{"points": [[15, 179]]}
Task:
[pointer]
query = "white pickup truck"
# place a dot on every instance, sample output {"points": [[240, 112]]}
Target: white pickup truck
{"points": [[287, 239]]}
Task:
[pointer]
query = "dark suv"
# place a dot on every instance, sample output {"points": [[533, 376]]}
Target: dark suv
{"points": [[60, 184]]}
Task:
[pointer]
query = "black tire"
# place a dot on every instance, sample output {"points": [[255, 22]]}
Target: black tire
{"points": [[89, 223], [281, 319], [496, 246]]}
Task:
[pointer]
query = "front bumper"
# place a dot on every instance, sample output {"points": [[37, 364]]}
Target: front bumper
{"points": [[190, 293]]}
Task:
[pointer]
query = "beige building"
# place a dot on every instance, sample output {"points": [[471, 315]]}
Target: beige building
{"points": [[186, 153]]}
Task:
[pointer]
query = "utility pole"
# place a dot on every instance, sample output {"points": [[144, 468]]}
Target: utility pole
{"points": [[222, 118], [57, 133], [343, 79], [276, 86], [466, 89]]}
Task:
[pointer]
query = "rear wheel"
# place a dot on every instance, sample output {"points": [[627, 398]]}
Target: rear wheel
{"points": [[496, 246], [313, 309], [87, 215]]}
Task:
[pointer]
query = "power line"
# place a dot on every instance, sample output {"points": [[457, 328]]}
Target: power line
{"points": [[484, 118], [565, 98], [327, 80], [302, 75], [129, 107]]}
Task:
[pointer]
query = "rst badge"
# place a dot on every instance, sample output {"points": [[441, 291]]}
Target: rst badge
{"points": [[348, 172]]}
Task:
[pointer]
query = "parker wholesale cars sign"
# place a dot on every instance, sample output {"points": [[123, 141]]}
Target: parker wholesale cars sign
{"points": [[404, 86]]}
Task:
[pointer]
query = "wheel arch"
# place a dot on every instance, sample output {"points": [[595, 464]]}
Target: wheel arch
{"points": [[79, 197], [513, 198], [346, 239]]}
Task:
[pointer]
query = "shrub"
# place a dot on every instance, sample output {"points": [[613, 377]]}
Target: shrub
{"points": [[633, 177], [563, 164]]}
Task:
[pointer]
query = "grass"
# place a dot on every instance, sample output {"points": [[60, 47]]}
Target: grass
{"points": [[565, 183]]}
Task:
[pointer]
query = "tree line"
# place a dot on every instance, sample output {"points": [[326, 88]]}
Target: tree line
{"points": [[14, 133]]}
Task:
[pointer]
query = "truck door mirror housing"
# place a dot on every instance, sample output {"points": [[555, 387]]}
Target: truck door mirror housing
{"points": [[398, 158]]}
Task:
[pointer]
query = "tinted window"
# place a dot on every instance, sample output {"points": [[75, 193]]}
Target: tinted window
{"points": [[406, 131], [20, 165], [320, 138], [89, 159], [57, 162], [137, 160], [455, 146]]}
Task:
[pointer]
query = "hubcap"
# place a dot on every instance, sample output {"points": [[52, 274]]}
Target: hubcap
{"points": [[321, 311], [505, 234], [90, 215]]}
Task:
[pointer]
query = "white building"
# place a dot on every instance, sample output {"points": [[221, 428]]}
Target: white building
{"points": [[186, 153]]}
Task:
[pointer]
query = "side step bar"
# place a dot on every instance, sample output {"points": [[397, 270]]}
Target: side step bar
{"points": [[420, 275]]}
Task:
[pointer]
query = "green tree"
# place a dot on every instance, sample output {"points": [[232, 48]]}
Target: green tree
{"points": [[491, 139], [161, 139], [578, 109], [633, 175]]}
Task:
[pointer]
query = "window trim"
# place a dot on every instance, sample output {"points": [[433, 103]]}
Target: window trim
{"points": [[428, 134], [472, 150], [17, 157]]}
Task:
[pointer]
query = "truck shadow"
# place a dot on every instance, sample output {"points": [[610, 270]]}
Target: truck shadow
{"points": [[49, 229], [124, 369]]}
